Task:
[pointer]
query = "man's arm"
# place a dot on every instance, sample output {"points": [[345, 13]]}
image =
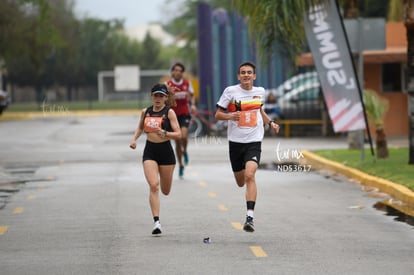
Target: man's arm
{"points": [[221, 114], [269, 121]]}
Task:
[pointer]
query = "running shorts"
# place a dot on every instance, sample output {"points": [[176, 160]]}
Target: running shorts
{"points": [[162, 153], [240, 153], [184, 121]]}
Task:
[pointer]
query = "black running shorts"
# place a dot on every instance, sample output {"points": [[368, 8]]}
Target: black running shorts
{"points": [[240, 153], [162, 152], [184, 121]]}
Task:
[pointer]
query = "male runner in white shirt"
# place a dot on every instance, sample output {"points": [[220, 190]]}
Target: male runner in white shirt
{"points": [[241, 105]]}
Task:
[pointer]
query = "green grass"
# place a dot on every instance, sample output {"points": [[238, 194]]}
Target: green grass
{"points": [[395, 168], [76, 106]]}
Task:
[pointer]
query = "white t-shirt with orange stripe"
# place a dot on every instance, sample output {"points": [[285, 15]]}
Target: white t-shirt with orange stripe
{"points": [[250, 126]]}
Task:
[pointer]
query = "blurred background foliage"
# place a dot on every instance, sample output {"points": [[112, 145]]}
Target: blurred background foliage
{"points": [[43, 43]]}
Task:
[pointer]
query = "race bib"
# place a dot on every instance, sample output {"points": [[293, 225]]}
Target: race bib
{"points": [[248, 119], [151, 124]]}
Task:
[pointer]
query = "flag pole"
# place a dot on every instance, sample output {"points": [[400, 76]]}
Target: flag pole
{"points": [[358, 81]]}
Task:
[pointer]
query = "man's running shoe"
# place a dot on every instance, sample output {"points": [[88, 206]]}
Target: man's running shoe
{"points": [[157, 228], [185, 156], [248, 225], [181, 171]]}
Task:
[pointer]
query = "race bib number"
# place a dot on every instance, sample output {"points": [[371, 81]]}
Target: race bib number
{"points": [[151, 124], [248, 119]]}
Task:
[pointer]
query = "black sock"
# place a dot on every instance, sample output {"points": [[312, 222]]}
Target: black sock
{"points": [[250, 205], [156, 218]]}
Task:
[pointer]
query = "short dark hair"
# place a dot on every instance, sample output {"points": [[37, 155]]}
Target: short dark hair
{"points": [[248, 63], [178, 64]]}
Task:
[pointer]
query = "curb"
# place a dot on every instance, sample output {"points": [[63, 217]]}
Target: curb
{"points": [[395, 190]]}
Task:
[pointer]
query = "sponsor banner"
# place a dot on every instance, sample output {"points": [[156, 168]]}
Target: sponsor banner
{"points": [[327, 41]]}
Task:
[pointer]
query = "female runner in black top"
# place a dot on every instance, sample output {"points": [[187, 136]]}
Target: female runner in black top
{"points": [[160, 123]]}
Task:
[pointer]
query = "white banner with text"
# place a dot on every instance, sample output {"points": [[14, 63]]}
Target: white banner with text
{"points": [[327, 41]]}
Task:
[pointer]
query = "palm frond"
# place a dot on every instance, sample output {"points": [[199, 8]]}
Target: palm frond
{"points": [[276, 23], [395, 11], [375, 107]]}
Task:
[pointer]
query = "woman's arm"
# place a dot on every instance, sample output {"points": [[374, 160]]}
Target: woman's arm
{"points": [[176, 133], [138, 131]]}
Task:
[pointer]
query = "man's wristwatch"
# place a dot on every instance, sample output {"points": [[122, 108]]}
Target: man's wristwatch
{"points": [[164, 133], [270, 123]]}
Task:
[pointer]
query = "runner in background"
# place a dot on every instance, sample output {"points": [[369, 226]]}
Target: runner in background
{"points": [[183, 93]]}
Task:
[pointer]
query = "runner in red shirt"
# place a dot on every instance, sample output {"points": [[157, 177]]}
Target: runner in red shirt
{"points": [[183, 95]]}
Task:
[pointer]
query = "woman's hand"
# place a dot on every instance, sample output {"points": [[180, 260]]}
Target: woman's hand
{"points": [[161, 133], [133, 144]]}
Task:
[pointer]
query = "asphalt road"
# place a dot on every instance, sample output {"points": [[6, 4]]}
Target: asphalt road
{"points": [[73, 200]]}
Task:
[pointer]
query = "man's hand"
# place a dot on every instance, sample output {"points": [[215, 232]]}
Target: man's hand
{"points": [[173, 89], [235, 116], [274, 126]]}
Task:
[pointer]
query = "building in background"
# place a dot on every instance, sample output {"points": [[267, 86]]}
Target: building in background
{"points": [[384, 72]]}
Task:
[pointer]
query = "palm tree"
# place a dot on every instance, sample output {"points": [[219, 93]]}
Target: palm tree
{"points": [[408, 8], [405, 11], [355, 138], [270, 22], [376, 107]]}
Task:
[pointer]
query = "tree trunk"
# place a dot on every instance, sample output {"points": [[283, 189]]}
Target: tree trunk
{"points": [[409, 24], [351, 9], [69, 92], [381, 143], [39, 93], [355, 138]]}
